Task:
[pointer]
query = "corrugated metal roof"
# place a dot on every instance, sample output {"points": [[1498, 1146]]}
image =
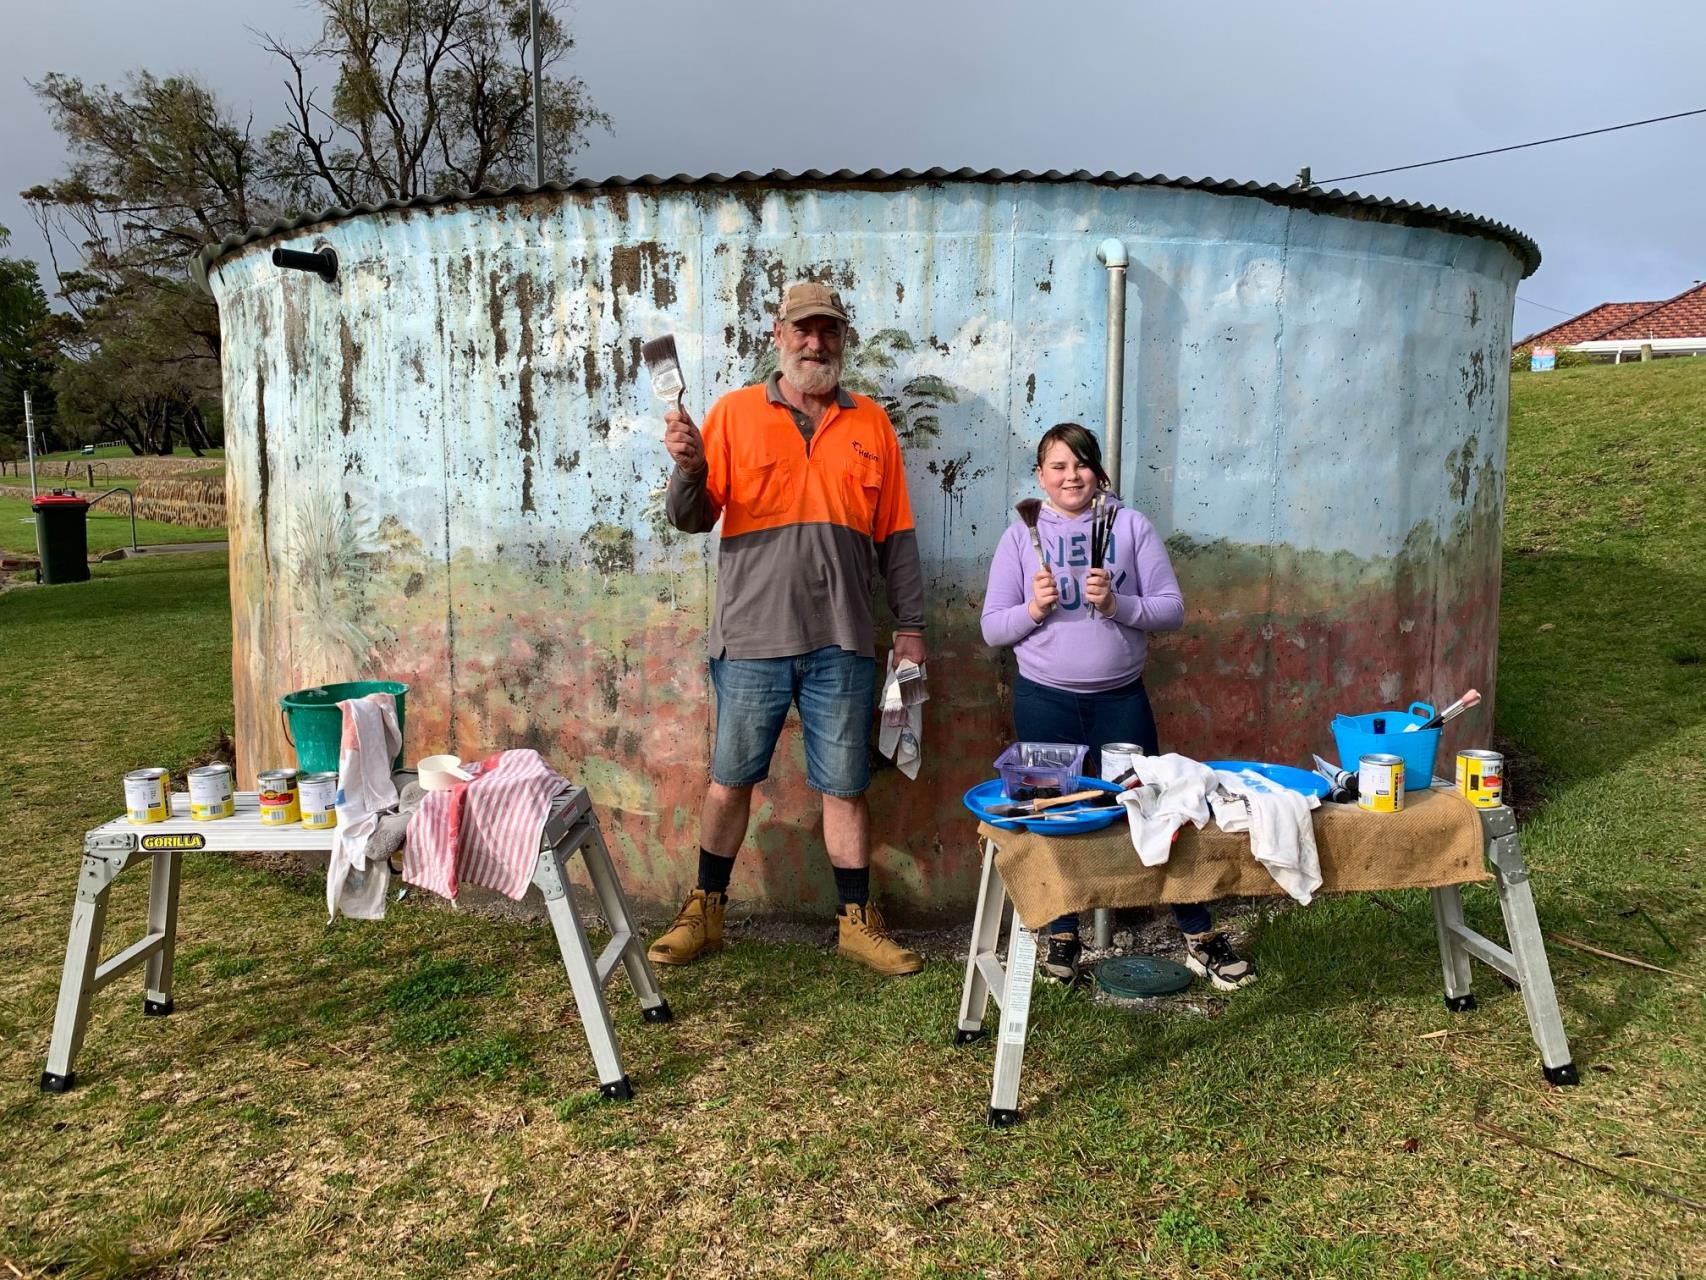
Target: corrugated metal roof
{"points": [[1349, 204]]}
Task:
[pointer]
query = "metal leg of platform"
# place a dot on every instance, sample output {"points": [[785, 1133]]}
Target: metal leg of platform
{"points": [[84, 974], [588, 974], [1524, 963], [1009, 985]]}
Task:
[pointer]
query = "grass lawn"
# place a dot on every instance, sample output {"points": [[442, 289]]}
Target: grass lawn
{"points": [[416, 1098], [109, 528]]}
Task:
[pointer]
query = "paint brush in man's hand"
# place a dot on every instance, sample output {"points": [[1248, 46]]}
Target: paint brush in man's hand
{"points": [[1028, 511], [665, 367]]}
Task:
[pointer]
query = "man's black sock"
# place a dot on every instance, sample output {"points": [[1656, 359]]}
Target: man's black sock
{"points": [[714, 871], [853, 885]]}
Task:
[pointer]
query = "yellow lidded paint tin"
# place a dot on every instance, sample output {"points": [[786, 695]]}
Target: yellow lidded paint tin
{"points": [[280, 804], [145, 796], [1481, 778], [1380, 784], [318, 795], [212, 793]]}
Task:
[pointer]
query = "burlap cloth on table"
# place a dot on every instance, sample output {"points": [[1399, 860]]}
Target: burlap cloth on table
{"points": [[1434, 840]]}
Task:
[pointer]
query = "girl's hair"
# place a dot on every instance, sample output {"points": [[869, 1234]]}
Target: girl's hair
{"points": [[1083, 444]]}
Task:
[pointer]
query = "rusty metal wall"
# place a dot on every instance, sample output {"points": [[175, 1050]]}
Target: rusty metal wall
{"points": [[445, 468]]}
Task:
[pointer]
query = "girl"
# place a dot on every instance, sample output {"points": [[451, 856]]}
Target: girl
{"points": [[1081, 635]]}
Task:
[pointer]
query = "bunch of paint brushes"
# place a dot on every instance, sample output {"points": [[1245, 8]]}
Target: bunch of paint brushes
{"points": [[1101, 527]]}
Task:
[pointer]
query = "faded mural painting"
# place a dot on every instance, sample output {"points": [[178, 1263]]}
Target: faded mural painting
{"points": [[446, 468]]}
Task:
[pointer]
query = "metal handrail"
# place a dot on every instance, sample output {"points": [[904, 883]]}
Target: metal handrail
{"points": [[132, 496]]}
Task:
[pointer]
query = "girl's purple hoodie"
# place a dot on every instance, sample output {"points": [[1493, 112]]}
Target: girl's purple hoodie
{"points": [[1074, 648]]}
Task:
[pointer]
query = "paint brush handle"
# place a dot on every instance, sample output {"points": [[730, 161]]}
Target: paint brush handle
{"points": [[1456, 709]]}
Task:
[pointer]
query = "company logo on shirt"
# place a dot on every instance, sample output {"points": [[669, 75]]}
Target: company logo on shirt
{"points": [[865, 453]]}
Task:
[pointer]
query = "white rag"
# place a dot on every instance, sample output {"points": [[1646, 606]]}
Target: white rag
{"points": [[900, 736], [1174, 791], [1282, 838], [370, 741]]}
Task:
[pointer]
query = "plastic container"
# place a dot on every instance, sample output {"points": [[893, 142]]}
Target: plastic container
{"points": [[1356, 738], [62, 537], [1046, 767], [315, 726]]}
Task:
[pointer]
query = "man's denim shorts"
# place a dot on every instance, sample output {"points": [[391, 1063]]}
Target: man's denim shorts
{"points": [[836, 692]]}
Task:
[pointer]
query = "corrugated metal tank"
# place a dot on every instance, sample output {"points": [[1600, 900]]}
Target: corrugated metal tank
{"points": [[446, 467]]}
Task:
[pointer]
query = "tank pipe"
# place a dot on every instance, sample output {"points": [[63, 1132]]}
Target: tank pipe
{"points": [[323, 263], [132, 496], [1112, 254]]}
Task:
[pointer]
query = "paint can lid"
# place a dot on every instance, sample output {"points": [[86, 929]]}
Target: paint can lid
{"points": [[1132, 976]]}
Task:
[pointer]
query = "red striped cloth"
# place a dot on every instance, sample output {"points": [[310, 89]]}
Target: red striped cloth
{"points": [[486, 832]]}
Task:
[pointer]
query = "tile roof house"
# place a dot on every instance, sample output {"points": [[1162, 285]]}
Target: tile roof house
{"points": [[1675, 326]]}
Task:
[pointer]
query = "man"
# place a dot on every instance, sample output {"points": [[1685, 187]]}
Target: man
{"points": [[808, 482]]}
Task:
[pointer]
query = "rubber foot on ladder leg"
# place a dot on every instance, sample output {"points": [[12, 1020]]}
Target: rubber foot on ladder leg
{"points": [[1563, 1076], [1461, 1004], [53, 1082], [962, 1036], [616, 1090], [1003, 1117], [155, 1008], [658, 1013]]}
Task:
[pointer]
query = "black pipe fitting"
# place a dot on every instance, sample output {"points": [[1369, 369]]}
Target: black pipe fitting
{"points": [[323, 263]]}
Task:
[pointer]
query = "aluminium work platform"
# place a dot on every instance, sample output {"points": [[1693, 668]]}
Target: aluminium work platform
{"points": [[1524, 963], [112, 849]]}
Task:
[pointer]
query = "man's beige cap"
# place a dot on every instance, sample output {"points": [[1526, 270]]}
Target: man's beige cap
{"points": [[804, 298]]}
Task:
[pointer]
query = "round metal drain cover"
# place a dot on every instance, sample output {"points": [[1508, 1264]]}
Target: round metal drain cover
{"points": [[1132, 976]]}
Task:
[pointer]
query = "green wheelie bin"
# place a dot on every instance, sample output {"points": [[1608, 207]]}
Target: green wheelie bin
{"points": [[62, 537]]}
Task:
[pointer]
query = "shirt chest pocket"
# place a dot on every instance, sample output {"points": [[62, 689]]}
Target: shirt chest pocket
{"points": [[770, 484], [861, 487]]}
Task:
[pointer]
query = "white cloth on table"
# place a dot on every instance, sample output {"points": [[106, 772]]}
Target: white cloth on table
{"points": [[355, 885], [1174, 790], [1282, 837]]}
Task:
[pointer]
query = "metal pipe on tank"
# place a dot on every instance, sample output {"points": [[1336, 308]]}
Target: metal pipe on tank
{"points": [[1112, 253]]}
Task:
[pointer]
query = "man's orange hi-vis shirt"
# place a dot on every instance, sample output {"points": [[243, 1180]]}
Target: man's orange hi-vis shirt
{"points": [[802, 525]]}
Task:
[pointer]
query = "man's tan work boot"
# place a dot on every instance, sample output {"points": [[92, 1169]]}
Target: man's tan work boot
{"points": [[865, 939], [698, 929]]}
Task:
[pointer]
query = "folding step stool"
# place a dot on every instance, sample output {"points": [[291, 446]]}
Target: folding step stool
{"points": [[117, 846]]}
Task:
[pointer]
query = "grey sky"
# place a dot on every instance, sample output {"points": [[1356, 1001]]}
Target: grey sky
{"points": [[1242, 91]]}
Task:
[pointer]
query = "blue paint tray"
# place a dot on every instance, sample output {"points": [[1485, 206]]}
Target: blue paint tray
{"points": [[981, 798], [1310, 784]]}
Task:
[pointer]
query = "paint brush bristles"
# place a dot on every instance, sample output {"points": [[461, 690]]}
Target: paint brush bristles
{"points": [[665, 367], [1028, 511]]}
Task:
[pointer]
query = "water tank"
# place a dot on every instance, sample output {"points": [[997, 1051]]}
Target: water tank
{"points": [[445, 466]]}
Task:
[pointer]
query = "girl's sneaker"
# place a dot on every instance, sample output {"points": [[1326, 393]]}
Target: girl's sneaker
{"points": [[1061, 961], [1211, 956]]}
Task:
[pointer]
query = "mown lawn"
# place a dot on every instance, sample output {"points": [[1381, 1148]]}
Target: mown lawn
{"points": [[415, 1098], [108, 527]]}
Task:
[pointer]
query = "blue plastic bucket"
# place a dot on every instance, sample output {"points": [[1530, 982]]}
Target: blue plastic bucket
{"points": [[1356, 738]]}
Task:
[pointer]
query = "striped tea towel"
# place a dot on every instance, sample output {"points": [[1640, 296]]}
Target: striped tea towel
{"points": [[486, 832]]}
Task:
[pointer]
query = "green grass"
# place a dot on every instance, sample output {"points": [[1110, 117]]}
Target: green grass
{"points": [[415, 1098], [108, 528]]}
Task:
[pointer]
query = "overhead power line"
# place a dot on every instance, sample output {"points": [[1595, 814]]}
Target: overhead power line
{"points": [[1531, 302], [1586, 133]]}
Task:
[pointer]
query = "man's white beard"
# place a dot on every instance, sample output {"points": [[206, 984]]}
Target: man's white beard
{"points": [[814, 378]]}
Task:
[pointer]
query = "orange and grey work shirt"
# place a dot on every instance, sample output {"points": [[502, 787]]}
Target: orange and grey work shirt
{"points": [[803, 522]]}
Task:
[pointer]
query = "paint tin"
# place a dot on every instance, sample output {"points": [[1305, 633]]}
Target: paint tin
{"points": [[1118, 758], [211, 793], [280, 805], [1380, 784], [145, 796], [1481, 778], [318, 793]]}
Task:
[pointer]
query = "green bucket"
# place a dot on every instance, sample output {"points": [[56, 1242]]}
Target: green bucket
{"points": [[315, 726]]}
